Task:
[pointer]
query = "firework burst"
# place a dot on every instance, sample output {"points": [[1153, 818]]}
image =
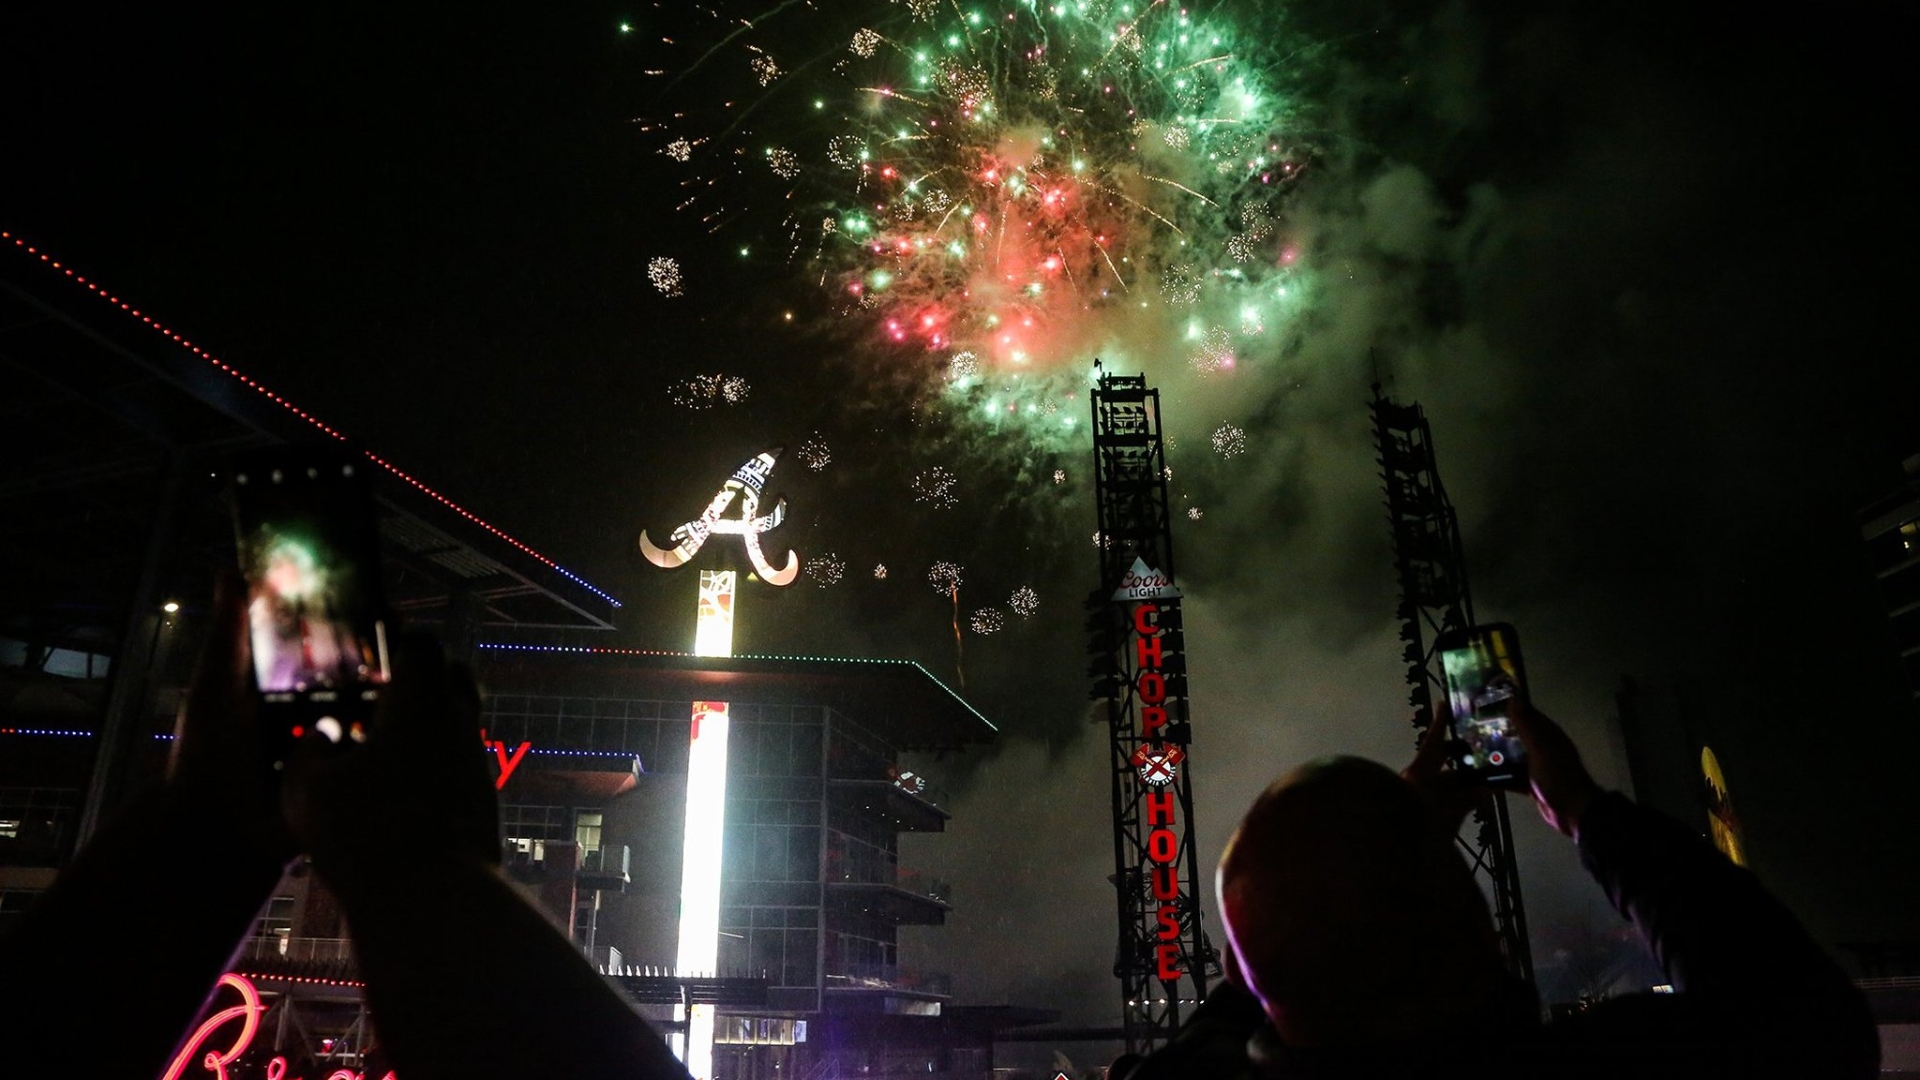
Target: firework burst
{"points": [[1024, 601], [944, 577], [987, 621], [665, 275], [814, 453], [826, 569], [935, 487], [706, 391], [999, 192]]}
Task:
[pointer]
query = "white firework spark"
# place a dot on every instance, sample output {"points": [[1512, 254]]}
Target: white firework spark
{"points": [[944, 576], [705, 391], [935, 487], [1024, 601], [814, 453], [826, 569], [987, 620], [1214, 352], [1229, 441], [665, 275]]}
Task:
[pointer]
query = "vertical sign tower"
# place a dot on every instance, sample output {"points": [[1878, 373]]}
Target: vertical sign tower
{"points": [[705, 833], [1433, 600], [1162, 958]]}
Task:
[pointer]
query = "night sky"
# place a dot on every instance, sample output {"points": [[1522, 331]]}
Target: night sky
{"points": [[1648, 274]]}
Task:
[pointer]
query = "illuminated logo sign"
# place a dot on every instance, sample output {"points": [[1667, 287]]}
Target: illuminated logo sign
{"points": [[508, 761], [1158, 767], [744, 487], [1145, 583], [1158, 762]]}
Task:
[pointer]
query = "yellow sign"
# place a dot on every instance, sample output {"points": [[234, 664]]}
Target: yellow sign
{"points": [[1720, 816]]}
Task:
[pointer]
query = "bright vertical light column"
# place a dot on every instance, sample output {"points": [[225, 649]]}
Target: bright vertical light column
{"points": [[705, 834], [713, 627]]}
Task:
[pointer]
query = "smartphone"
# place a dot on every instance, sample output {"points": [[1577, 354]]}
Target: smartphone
{"points": [[309, 551], [1486, 682]]}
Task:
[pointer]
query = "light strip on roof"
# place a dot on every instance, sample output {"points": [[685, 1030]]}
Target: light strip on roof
{"points": [[301, 413], [609, 651]]}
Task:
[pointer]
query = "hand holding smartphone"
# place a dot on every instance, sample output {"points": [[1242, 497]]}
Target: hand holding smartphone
{"points": [[1486, 687], [316, 621]]}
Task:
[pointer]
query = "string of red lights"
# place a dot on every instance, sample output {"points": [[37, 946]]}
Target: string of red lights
{"points": [[235, 373]]}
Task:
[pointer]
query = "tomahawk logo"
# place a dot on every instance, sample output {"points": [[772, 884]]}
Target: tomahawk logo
{"points": [[744, 487]]}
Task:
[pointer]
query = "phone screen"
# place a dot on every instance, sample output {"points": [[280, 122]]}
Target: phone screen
{"points": [[315, 616], [1484, 681]]}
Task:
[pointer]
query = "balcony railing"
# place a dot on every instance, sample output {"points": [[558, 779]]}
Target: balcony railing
{"points": [[606, 867], [850, 862], [298, 949], [889, 977]]}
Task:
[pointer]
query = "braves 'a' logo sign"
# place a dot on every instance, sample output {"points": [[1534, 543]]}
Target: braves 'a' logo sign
{"points": [[745, 486]]}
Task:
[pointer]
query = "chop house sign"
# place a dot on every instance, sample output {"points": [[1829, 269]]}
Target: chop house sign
{"points": [[1156, 761]]}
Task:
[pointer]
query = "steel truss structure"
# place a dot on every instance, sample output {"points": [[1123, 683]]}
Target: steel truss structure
{"points": [[1162, 959], [1434, 598]]}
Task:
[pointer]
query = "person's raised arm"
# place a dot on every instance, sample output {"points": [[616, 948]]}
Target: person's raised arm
{"points": [[152, 910], [465, 978], [1741, 962]]}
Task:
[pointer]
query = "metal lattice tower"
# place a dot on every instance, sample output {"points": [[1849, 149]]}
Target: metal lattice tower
{"points": [[1434, 599], [1162, 958]]}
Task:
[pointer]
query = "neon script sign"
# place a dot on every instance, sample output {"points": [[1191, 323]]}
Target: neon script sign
{"points": [[203, 1047], [745, 487]]}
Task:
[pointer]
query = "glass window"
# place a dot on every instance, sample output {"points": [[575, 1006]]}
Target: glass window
{"points": [[586, 832]]}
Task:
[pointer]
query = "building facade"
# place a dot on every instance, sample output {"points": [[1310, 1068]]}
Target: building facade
{"points": [[112, 526], [818, 790], [1891, 528]]}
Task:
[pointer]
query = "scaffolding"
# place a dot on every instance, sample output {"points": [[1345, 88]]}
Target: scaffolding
{"points": [[1435, 599], [1162, 957]]}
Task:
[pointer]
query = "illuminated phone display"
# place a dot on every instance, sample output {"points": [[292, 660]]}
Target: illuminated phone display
{"points": [[1485, 682], [315, 619]]}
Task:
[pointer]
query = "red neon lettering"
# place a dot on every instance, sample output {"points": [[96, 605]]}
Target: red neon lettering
{"points": [[1160, 807], [1168, 958], [1166, 883], [1169, 922], [507, 765], [1152, 686], [215, 1061], [1146, 621], [1162, 846], [1152, 719], [1146, 651], [277, 1069]]}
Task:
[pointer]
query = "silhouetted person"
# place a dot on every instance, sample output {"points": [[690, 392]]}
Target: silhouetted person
{"points": [[464, 977], [1365, 941]]}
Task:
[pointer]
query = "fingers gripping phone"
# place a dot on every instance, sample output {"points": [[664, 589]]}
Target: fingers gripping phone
{"points": [[316, 620], [1486, 685]]}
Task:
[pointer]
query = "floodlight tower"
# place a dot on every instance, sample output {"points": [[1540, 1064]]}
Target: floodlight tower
{"points": [[1433, 600], [705, 832], [1162, 957]]}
